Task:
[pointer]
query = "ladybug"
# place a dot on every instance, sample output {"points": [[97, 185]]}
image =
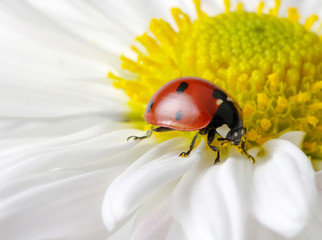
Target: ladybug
{"points": [[190, 104]]}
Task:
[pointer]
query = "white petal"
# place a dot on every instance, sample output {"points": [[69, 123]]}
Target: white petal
{"points": [[48, 71], [211, 203], [57, 191], [156, 226], [54, 133], [57, 208], [295, 137], [159, 223], [145, 176], [318, 178], [60, 97], [67, 154], [15, 131], [31, 22], [313, 228], [284, 188]]}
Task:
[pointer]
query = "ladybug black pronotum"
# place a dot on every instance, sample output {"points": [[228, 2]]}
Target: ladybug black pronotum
{"points": [[189, 104]]}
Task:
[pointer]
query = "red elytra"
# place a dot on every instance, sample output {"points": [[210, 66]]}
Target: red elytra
{"points": [[185, 107]]}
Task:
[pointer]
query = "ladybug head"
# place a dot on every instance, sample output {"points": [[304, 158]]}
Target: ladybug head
{"points": [[235, 135], [239, 142]]}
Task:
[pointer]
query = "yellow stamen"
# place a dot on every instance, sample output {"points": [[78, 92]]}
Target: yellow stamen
{"points": [[254, 136], [281, 104], [200, 13], [227, 5], [265, 124], [240, 7], [317, 86], [316, 106], [293, 15], [273, 81], [182, 20], [260, 7], [310, 21], [274, 11], [248, 110], [262, 100], [312, 120]]}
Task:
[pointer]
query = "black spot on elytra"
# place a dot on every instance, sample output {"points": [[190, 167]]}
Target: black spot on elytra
{"points": [[150, 106], [218, 94], [182, 87], [179, 115]]}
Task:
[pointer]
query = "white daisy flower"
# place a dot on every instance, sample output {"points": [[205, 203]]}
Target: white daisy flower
{"points": [[67, 171]]}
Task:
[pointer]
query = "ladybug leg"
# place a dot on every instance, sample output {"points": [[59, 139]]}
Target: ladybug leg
{"points": [[149, 133], [243, 151], [210, 139], [192, 145]]}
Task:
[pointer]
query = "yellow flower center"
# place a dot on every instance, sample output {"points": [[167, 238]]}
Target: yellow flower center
{"points": [[271, 66]]}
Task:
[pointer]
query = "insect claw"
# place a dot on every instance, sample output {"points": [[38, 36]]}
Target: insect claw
{"points": [[184, 154], [217, 160], [135, 138], [252, 158], [148, 134], [130, 138]]}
